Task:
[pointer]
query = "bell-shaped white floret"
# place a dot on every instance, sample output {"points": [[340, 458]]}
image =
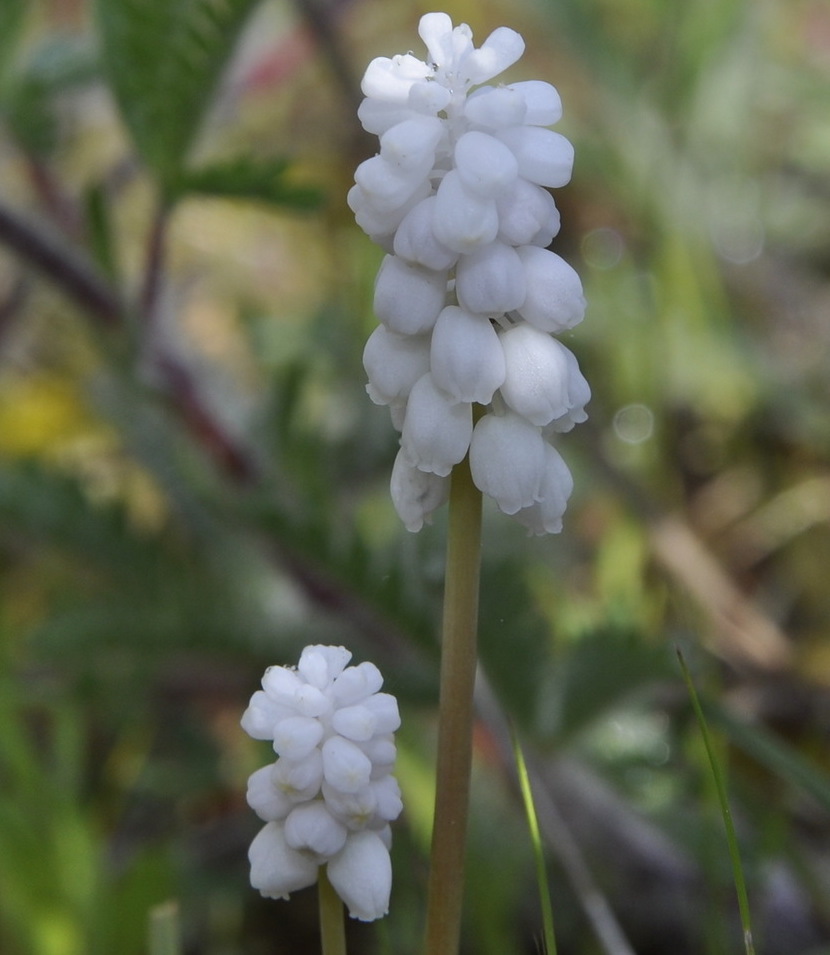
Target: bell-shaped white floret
{"points": [[389, 80], [410, 146], [361, 874], [555, 300], [299, 779], [276, 869], [266, 799], [527, 215], [466, 359], [387, 186], [491, 280], [544, 156], [544, 106], [312, 827], [355, 810], [384, 708], [388, 795], [486, 166], [345, 766], [408, 298], [262, 715], [436, 430], [507, 456], [545, 516], [296, 736], [393, 364], [463, 221], [436, 30], [356, 683], [356, 723], [579, 394], [537, 374], [416, 494], [498, 52], [495, 107], [415, 240]]}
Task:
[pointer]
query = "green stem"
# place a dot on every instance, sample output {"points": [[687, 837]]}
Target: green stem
{"points": [[332, 928], [455, 727]]}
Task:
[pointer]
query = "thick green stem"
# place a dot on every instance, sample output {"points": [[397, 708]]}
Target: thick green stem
{"points": [[332, 928], [455, 727]]}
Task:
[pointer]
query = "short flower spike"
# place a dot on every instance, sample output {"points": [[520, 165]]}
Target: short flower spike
{"points": [[469, 295], [330, 796]]}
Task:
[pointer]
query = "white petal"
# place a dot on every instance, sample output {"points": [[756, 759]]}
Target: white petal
{"points": [[376, 116], [354, 810], [345, 766], [415, 493], [393, 364], [507, 456], [466, 359], [388, 793], [555, 300], [297, 736], [579, 394], [536, 381], [276, 869], [281, 684], [312, 827], [361, 874], [410, 146], [384, 708], [390, 79], [491, 280], [545, 157], [387, 186], [435, 29], [486, 166], [262, 715], [463, 221], [408, 298], [436, 430]]}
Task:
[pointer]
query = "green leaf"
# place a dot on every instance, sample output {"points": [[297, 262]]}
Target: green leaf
{"points": [[163, 59], [260, 180], [12, 20]]}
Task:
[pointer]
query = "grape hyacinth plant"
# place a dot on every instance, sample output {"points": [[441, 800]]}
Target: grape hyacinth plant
{"points": [[469, 296], [470, 299], [328, 799]]}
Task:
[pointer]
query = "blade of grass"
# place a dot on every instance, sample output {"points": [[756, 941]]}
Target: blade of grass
{"points": [[549, 939], [726, 813]]}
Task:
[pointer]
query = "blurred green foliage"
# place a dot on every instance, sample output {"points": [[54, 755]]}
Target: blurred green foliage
{"points": [[193, 484]]}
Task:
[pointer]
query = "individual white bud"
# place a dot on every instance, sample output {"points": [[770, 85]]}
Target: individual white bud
{"points": [[537, 374], [554, 301], [495, 107], [356, 683], [410, 146], [463, 221], [466, 359], [507, 456], [384, 708], [491, 280], [527, 215], [415, 240], [579, 394], [356, 723], [386, 185], [299, 779], [355, 810], [544, 156], [436, 431], [486, 166], [345, 766], [390, 79], [408, 298], [416, 494], [277, 870], [361, 874], [262, 715], [266, 799], [388, 798], [393, 364], [296, 736], [312, 827], [544, 106], [498, 52]]}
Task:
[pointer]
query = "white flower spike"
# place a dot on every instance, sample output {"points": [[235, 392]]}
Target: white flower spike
{"points": [[469, 295], [330, 796]]}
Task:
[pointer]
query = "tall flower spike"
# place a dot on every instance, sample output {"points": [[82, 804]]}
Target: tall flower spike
{"points": [[330, 796], [469, 296]]}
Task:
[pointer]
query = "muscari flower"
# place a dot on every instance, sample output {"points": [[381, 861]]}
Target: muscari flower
{"points": [[330, 795], [469, 296]]}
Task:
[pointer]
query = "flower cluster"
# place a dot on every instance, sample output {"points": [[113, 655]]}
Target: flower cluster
{"points": [[469, 296], [330, 796]]}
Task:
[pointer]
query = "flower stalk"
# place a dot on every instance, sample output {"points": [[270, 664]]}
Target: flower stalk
{"points": [[332, 928], [458, 668]]}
